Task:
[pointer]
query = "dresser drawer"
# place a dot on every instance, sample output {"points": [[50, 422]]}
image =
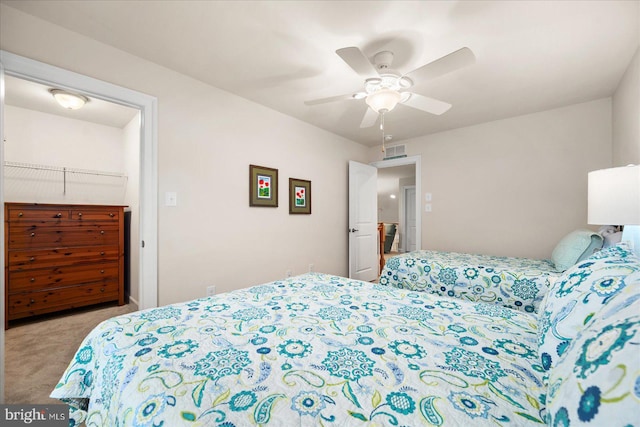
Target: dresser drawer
{"points": [[47, 237], [95, 215], [47, 278], [32, 303], [30, 259], [38, 215]]}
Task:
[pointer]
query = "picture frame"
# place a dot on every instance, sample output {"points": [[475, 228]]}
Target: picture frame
{"points": [[263, 186], [299, 196]]}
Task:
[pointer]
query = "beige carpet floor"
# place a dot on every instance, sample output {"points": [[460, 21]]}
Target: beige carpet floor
{"points": [[390, 254], [38, 351]]}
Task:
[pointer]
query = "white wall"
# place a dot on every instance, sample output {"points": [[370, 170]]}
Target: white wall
{"points": [[131, 155], [388, 208], [207, 138], [35, 137], [512, 187], [626, 116], [46, 139]]}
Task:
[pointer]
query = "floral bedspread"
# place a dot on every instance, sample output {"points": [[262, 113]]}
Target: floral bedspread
{"points": [[312, 350], [517, 283]]}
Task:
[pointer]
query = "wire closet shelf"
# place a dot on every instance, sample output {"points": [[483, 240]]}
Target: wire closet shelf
{"points": [[43, 182]]}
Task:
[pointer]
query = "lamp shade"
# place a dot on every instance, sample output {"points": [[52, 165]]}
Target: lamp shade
{"points": [[383, 100], [614, 196], [68, 100]]}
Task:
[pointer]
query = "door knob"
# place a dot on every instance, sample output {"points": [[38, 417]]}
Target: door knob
{"points": [[353, 230]]}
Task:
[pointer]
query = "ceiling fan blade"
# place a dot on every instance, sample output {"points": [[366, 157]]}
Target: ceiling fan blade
{"points": [[451, 62], [424, 103], [370, 118], [329, 99], [357, 60]]}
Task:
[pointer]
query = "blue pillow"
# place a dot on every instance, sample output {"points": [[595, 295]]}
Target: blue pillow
{"points": [[574, 247]]}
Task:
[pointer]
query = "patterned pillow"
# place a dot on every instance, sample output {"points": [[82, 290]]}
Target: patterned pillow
{"points": [[597, 381], [577, 295]]}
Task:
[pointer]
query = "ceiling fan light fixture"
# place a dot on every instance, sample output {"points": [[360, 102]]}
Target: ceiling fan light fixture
{"points": [[383, 100], [373, 81], [405, 82], [68, 100]]}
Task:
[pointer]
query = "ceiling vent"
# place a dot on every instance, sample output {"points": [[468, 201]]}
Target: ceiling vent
{"points": [[395, 152]]}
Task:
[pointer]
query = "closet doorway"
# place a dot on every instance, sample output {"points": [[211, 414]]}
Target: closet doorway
{"points": [[15, 66], [69, 157]]}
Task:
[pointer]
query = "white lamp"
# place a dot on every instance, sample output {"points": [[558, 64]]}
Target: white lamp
{"points": [[614, 199], [384, 100], [68, 100], [614, 196]]}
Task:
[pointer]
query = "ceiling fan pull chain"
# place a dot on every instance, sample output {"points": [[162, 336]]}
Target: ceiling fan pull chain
{"points": [[382, 129]]}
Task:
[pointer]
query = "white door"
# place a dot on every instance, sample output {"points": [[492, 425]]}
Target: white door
{"points": [[410, 218], [363, 222]]}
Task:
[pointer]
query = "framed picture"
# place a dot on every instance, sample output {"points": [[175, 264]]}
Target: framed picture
{"points": [[299, 196], [263, 186]]}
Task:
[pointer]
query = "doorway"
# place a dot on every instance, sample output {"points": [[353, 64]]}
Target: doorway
{"points": [[62, 156], [402, 180], [30, 70]]}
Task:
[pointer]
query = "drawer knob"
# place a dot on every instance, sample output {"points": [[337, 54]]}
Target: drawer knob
{"points": [[58, 215], [32, 301], [80, 214], [102, 253], [33, 279], [20, 214], [101, 231], [111, 215], [101, 271], [101, 289], [32, 259], [33, 234]]}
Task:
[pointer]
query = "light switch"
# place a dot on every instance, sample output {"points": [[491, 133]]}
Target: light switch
{"points": [[170, 198], [427, 207], [427, 197]]}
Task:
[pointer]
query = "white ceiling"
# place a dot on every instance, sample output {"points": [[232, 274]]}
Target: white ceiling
{"points": [[531, 55], [35, 96]]}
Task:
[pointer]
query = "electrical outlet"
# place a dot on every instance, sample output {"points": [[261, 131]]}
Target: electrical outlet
{"points": [[289, 273], [311, 267], [211, 290]]}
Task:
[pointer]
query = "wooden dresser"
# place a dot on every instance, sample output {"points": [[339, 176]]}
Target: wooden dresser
{"points": [[62, 256]]}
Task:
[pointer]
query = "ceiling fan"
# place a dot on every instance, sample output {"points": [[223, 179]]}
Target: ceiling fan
{"points": [[384, 87]]}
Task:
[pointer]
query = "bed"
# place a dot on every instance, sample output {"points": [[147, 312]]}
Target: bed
{"points": [[518, 283], [312, 350]]}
